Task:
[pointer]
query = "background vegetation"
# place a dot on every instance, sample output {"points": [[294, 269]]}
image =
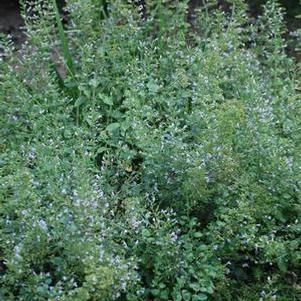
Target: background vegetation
{"points": [[150, 158]]}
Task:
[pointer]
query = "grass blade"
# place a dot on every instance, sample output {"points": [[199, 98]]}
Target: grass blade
{"points": [[64, 41]]}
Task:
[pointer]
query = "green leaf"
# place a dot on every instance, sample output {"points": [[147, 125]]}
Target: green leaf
{"points": [[113, 127], [195, 286], [197, 234], [70, 84], [146, 232], [106, 99], [102, 150], [200, 297], [80, 101], [186, 295], [94, 83], [178, 296], [153, 87], [155, 292], [282, 265]]}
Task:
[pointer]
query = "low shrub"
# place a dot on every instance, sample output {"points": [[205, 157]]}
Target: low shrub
{"points": [[164, 166]]}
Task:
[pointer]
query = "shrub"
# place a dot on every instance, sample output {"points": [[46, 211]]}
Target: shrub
{"points": [[164, 166]]}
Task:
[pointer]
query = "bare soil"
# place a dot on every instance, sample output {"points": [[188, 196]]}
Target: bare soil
{"points": [[10, 19]]}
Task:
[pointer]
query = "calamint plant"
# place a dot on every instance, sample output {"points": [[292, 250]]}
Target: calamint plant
{"points": [[153, 157]]}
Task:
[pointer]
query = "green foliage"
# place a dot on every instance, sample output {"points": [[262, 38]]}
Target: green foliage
{"points": [[173, 172]]}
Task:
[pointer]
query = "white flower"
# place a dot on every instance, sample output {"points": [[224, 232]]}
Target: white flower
{"points": [[43, 225]]}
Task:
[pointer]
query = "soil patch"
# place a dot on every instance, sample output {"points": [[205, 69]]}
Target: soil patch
{"points": [[10, 20]]}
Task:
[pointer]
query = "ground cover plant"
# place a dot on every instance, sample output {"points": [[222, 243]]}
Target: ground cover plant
{"points": [[148, 158]]}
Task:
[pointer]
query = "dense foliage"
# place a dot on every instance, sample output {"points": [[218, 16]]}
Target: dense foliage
{"points": [[148, 158]]}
